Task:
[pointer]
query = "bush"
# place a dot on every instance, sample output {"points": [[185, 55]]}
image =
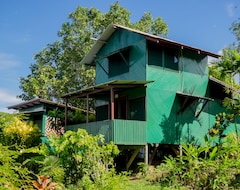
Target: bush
{"points": [[13, 175], [200, 167], [84, 157], [16, 131]]}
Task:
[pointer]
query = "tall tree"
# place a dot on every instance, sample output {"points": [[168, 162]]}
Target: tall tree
{"points": [[228, 67], [235, 28], [57, 71]]}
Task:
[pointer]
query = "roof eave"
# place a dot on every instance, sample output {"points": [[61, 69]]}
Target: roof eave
{"points": [[89, 58]]}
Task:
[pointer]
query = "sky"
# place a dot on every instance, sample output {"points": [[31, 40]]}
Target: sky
{"points": [[27, 26]]}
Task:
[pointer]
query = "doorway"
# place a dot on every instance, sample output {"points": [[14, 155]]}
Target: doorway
{"points": [[121, 108]]}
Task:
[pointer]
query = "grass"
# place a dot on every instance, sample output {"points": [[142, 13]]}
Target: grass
{"points": [[141, 184]]}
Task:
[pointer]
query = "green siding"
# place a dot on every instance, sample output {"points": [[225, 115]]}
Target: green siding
{"points": [[124, 132], [137, 58], [130, 132], [164, 124], [189, 75]]}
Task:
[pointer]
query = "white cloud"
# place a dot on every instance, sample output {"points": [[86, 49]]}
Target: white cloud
{"points": [[7, 61], [3, 109], [7, 97], [230, 9]]}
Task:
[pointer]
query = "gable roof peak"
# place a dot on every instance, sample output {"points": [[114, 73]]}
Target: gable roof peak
{"points": [[89, 58]]}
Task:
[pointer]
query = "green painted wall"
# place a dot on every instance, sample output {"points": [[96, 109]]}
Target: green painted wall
{"points": [[164, 124], [137, 66]]}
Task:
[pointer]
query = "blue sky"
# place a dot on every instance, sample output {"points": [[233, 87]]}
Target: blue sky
{"points": [[27, 26]]}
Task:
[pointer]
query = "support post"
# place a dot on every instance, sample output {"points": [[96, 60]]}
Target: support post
{"points": [[112, 103], [87, 117], [66, 110], [180, 151], [146, 154]]}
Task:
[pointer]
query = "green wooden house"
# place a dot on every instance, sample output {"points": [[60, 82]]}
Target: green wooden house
{"points": [[151, 93]]}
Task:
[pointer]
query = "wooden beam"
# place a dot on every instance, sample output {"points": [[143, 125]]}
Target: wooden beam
{"points": [[102, 67], [205, 103], [133, 157], [183, 105], [153, 154]]}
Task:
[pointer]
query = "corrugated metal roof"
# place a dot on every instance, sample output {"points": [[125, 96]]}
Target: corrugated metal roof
{"points": [[33, 102], [89, 58], [101, 89], [193, 96], [38, 101]]}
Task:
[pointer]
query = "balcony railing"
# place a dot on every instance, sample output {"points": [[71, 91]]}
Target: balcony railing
{"points": [[121, 132]]}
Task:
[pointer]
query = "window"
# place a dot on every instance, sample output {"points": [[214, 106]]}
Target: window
{"points": [[102, 113], [171, 59], [118, 63], [163, 57], [154, 55], [137, 109]]}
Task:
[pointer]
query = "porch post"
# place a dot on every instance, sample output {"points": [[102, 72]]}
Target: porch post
{"points": [[66, 110], [146, 154], [87, 118], [112, 103]]}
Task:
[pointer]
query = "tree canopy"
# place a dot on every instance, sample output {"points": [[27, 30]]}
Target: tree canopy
{"points": [[57, 71], [227, 68]]}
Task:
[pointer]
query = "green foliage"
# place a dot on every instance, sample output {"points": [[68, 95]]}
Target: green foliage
{"points": [[227, 67], [13, 175], [84, 155], [200, 167], [16, 131], [222, 121], [56, 70], [44, 182], [57, 117], [235, 28], [51, 166]]}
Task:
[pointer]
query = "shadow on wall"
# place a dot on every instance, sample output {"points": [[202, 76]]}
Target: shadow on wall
{"points": [[176, 128]]}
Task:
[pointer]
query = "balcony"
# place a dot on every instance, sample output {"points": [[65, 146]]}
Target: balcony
{"points": [[121, 132]]}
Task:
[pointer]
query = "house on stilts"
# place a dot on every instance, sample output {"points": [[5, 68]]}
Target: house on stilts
{"points": [[151, 93]]}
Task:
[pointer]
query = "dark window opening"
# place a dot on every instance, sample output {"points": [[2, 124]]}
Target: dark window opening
{"points": [[121, 108], [171, 59], [154, 55], [137, 109], [118, 63], [102, 113], [163, 57]]}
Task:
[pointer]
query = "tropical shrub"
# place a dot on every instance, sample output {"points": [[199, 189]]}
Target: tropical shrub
{"points": [[16, 131], [200, 167], [13, 175], [86, 159], [45, 183]]}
